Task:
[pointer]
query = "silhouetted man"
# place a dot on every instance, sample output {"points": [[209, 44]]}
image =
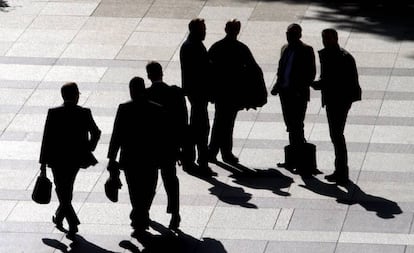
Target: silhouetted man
{"points": [[70, 136], [295, 74], [195, 75], [231, 60], [173, 101], [137, 133], [340, 88]]}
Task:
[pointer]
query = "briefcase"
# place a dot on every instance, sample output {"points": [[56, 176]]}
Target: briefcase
{"points": [[42, 190], [112, 186], [302, 158]]}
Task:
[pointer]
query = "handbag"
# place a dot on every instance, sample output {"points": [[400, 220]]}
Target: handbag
{"points": [[112, 185], [42, 190]]}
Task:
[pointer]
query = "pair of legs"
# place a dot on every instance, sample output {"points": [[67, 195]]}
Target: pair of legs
{"points": [[142, 182], [222, 131], [198, 132], [337, 115], [64, 178], [294, 111]]}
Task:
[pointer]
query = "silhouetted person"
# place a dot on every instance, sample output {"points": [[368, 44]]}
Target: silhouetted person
{"points": [[295, 74], [231, 60], [173, 101], [340, 88], [137, 134], [195, 71], [70, 136]]}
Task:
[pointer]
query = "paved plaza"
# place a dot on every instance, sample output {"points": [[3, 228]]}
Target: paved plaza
{"points": [[102, 44]]}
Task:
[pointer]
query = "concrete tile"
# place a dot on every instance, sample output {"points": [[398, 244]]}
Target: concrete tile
{"points": [[372, 45], [226, 217], [284, 218], [392, 108], [379, 60], [47, 36], [276, 11], [191, 216], [225, 13], [122, 75], [26, 227], [105, 213], [163, 25], [69, 8], [127, 10], [368, 248], [12, 150], [404, 59], [14, 96], [101, 37], [319, 220], [11, 242], [77, 74], [242, 246], [155, 39], [124, 25], [9, 179], [393, 134], [23, 72], [10, 35], [353, 133], [366, 107], [146, 53], [376, 238], [388, 162], [91, 51], [28, 123], [7, 207], [374, 82], [38, 49], [300, 247], [174, 10], [15, 21], [401, 83], [388, 191], [58, 22], [4, 47], [33, 212]]}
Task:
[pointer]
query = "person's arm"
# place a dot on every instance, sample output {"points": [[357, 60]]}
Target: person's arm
{"points": [[94, 131], [44, 150], [115, 144]]}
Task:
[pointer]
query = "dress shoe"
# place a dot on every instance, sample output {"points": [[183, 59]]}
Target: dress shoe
{"points": [[72, 231], [58, 224], [334, 178], [174, 222], [142, 236], [206, 171], [230, 159]]}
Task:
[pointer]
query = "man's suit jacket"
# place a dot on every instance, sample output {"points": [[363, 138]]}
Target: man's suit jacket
{"points": [[137, 133], [303, 70], [70, 136]]}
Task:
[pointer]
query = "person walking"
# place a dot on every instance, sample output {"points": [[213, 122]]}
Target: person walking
{"points": [[340, 87], [70, 135]]}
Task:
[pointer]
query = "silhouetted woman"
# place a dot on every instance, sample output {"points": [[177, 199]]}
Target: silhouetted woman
{"points": [[70, 136]]}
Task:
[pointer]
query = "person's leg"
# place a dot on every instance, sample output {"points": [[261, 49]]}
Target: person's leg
{"points": [[228, 127], [171, 185], [201, 129], [216, 132], [337, 115]]}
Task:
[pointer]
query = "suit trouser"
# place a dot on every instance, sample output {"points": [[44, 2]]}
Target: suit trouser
{"points": [[199, 130], [171, 185], [64, 178], [337, 114], [222, 131], [294, 111], [142, 182]]}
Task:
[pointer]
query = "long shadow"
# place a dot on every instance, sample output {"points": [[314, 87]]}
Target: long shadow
{"points": [[383, 208], [269, 179], [388, 18], [227, 193], [168, 242], [78, 245], [3, 5]]}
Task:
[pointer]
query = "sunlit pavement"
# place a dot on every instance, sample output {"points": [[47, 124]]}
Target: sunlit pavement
{"points": [[102, 44]]}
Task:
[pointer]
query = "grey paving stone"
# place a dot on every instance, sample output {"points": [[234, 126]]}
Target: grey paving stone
{"points": [[319, 220], [300, 247], [368, 248], [241, 246], [12, 242], [127, 10], [368, 221], [277, 11]]}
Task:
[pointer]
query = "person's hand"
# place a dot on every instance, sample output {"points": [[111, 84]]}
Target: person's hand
{"points": [[43, 168], [275, 90]]}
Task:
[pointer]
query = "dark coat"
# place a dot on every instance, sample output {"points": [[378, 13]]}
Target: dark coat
{"points": [[171, 98], [195, 69], [70, 136], [339, 77], [137, 133], [302, 73], [238, 79]]}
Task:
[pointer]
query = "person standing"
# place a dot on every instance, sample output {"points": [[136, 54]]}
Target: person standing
{"points": [[173, 101], [70, 135], [137, 135], [340, 88], [195, 72], [295, 74], [232, 64]]}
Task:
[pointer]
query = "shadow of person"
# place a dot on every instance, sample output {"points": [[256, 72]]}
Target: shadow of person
{"points": [[269, 179], [228, 194], [3, 4], [384, 208], [78, 245], [167, 242]]}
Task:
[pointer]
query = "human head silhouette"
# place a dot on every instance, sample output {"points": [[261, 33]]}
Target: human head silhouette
{"points": [[330, 38], [154, 71], [293, 33], [136, 88], [232, 28], [197, 29], [70, 93]]}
